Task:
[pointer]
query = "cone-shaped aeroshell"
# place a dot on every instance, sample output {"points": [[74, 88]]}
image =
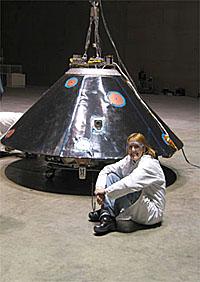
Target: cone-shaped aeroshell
{"points": [[89, 113]]}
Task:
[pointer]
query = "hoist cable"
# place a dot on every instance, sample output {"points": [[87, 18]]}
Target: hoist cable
{"points": [[120, 62]]}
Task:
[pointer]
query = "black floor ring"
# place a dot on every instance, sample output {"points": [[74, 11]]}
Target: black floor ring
{"points": [[31, 173]]}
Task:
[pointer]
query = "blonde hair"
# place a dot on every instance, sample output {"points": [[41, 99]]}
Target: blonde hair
{"points": [[142, 140]]}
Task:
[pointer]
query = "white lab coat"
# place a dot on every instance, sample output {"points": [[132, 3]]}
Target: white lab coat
{"points": [[146, 175]]}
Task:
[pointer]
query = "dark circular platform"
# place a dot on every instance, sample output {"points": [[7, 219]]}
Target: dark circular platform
{"points": [[31, 173]]}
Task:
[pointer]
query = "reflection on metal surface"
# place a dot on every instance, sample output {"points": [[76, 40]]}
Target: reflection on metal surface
{"points": [[89, 119], [92, 72], [83, 145]]}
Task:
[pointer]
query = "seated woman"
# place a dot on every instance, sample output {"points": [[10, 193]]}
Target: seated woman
{"points": [[131, 189]]}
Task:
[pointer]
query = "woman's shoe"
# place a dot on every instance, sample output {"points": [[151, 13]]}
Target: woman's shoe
{"points": [[108, 224], [94, 216]]}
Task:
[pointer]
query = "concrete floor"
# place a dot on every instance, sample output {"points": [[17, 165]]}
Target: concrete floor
{"points": [[47, 237]]}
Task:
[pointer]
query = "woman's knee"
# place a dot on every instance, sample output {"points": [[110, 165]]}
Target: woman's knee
{"points": [[112, 178]]}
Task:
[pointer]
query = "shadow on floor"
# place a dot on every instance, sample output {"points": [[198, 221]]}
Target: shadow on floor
{"points": [[126, 226]]}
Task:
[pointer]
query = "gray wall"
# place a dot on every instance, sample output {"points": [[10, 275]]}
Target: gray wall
{"points": [[159, 36], [163, 37]]}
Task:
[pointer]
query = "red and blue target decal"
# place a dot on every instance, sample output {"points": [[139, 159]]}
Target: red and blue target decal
{"points": [[116, 99], [10, 132], [169, 141], [166, 138], [71, 82]]}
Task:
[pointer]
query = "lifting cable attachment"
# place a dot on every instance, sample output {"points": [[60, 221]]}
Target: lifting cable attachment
{"points": [[94, 18]]}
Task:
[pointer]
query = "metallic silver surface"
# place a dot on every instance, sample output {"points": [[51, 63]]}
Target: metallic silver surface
{"points": [[93, 72]]}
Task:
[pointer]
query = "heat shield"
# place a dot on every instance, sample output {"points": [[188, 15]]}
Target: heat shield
{"points": [[89, 113]]}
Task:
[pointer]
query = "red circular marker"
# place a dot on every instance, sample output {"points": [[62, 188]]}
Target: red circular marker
{"points": [[116, 99], [10, 133], [71, 82]]}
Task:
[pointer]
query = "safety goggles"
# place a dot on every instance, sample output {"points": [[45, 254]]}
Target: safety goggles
{"points": [[136, 145]]}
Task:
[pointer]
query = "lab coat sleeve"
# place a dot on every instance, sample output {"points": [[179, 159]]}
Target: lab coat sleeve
{"points": [[147, 173], [115, 168]]}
